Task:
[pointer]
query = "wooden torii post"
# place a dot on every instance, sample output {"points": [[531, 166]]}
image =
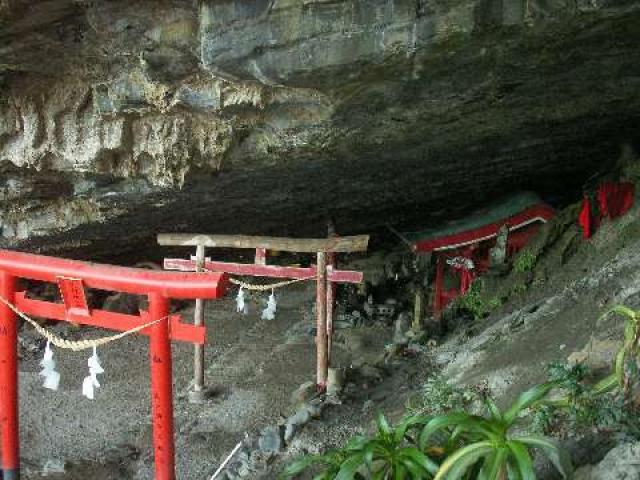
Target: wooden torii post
{"points": [[324, 271]]}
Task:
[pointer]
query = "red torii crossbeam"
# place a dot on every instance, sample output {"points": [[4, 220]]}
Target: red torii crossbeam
{"points": [[72, 278], [324, 273]]}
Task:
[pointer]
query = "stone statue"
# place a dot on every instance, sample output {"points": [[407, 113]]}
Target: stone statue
{"points": [[498, 254]]}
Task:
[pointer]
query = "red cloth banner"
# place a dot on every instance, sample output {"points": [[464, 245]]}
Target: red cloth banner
{"points": [[615, 199], [584, 219]]}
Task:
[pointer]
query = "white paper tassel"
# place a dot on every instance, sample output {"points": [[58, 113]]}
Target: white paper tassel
{"points": [[269, 313], [90, 383], [241, 305], [48, 364]]}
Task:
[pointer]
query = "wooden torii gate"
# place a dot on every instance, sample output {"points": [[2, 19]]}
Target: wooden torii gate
{"points": [[324, 271]]}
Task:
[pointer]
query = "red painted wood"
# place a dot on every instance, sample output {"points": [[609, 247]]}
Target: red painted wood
{"points": [[159, 286], [72, 291], [110, 320], [331, 302], [9, 419], [273, 271], [537, 213], [343, 276], [261, 256], [161, 389], [118, 279]]}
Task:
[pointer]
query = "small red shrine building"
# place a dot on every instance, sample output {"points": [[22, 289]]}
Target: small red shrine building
{"points": [[462, 247]]}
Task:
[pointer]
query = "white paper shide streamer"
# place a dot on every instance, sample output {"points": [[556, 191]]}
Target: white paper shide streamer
{"points": [[241, 304], [90, 382], [269, 313], [48, 364]]}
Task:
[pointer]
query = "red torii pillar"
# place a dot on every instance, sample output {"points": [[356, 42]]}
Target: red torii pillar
{"points": [[72, 277]]}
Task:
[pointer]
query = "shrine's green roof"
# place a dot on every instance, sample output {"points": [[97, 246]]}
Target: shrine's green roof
{"points": [[491, 213]]}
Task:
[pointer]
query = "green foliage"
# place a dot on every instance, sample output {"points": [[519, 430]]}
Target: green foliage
{"points": [[331, 462], [525, 261], [519, 288], [474, 302], [628, 357], [494, 303], [488, 447], [584, 405], [390, 454], [579, 406], [468, 447], [439, 397], [605, 405]]}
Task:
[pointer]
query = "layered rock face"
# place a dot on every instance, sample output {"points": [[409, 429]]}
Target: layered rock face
{"points": [[270, 115]]}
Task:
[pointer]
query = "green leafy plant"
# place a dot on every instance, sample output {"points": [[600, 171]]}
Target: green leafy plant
{"points": [[487, 448], [584, 405], [468, 446], [580, 405], [603, 405], [525, 261], [628, 357], [390, 454], [474, 303], [519, 289], [495, 303], [330, 462], [438, 397]]}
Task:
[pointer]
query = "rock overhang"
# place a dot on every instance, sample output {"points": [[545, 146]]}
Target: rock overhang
{"points": [[404, 107]]}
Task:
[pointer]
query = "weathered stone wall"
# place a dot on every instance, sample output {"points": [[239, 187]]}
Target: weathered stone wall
{"points": [[423, 103]]}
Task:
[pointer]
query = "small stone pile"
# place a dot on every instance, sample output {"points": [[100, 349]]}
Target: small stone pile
{"points": [[258, 451]]}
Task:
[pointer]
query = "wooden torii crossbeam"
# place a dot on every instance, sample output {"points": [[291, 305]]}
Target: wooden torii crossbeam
{"points": [[324, 272]]}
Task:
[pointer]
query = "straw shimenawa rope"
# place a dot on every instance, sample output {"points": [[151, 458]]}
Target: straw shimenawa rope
{"points": [[265, 288], [79, 345], [87, 344]]}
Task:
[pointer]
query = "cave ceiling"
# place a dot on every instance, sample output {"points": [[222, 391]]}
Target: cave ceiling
{"points": [[122, 119]]}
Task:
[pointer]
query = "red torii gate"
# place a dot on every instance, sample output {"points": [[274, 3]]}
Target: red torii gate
{"points": [[324, 272], [72, 277]]}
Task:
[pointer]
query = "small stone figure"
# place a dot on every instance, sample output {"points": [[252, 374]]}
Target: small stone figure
{"points": [[498, 253]]}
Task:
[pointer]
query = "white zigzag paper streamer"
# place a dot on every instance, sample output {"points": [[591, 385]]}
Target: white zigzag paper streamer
{"points": [[48, 364], [90, 383], [269, 313], [241, 304]]}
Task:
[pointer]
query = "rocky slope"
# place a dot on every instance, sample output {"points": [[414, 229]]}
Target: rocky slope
{"points": [[370, 111], [555, 313]]}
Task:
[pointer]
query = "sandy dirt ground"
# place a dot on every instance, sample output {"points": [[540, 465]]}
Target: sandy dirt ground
{"points": [[253, 366]]}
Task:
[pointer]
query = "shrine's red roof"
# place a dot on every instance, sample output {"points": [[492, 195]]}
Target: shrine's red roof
{"points": [[516, 212]]}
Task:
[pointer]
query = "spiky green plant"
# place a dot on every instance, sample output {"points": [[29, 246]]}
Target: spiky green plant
{"points": [[330, 463], [487, 448], [628, 357], [389, 455]]}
